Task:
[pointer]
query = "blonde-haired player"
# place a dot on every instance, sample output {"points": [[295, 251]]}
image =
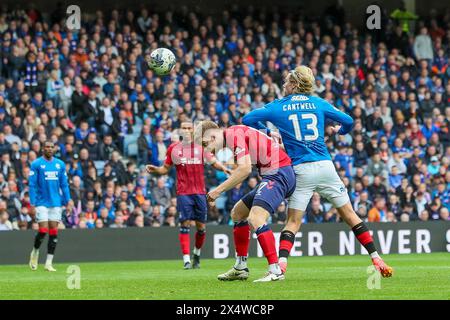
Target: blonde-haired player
{"points": [[301, 118]]}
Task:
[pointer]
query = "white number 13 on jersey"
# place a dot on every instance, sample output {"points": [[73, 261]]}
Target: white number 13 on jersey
{"points": [[310, 126]]}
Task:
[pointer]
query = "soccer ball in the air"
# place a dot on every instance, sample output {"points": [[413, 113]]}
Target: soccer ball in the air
{"points": [[162, 61]]}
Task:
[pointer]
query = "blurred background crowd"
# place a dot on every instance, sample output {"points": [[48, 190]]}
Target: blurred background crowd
{"points": [[90, 91]]}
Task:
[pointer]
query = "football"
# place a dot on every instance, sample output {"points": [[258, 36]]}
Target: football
{"points": [[162, 61]]}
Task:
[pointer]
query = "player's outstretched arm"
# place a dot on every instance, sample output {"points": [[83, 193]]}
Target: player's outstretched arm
{"points": [[337, 115], [257, 118], [162, 170], [242, 171], [220, 166]]}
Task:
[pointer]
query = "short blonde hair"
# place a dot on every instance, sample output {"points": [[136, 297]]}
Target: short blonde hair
{"points": [[302, 80], [201, 128]]}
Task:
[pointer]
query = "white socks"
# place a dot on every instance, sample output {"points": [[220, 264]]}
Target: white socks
{"points": [[241, 263], [49, 260], [197, 251], [282, 259], [186, 258], [374, 255], [275, 268]]}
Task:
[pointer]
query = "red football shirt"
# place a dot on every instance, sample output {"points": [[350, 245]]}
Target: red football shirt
{"points": [[189, 163], [264, 152]]}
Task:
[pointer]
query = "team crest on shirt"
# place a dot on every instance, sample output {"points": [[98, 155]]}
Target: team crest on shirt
{"points": [[58, 166]]}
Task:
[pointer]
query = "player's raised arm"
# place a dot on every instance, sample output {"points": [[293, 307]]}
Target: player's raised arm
{"points": [[242, 171], [257, 118], [337, 115], [162, 170]]}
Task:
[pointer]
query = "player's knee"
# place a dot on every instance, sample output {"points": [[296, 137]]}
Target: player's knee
{"points": [[236, 216], [256, 220], [186, 223]]}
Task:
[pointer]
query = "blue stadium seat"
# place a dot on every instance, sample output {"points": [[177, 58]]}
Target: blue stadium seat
{"points": [[132, 149], [221, 202], [129, 139], [137, 128], [99, 165]]}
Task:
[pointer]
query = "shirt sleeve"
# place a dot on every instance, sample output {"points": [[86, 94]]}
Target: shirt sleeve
{"points": [[257, 118], [64, 184], [342, 118], [168, 160], [32, 178]]}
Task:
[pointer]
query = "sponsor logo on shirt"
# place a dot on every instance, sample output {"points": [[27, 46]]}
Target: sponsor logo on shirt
{"points": [[238, 150], [51, 175], [299, 98], [184, 161]]}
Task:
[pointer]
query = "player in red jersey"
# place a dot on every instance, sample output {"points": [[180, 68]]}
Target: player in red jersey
{"points": [[188, 159], [251, 147]]}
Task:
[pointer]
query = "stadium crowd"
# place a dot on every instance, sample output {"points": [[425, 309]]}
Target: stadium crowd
{"points": [[90, 92]]}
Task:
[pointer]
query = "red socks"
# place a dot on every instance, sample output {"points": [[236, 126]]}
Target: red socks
{"points": [[266, 240], [200, 236], [185, 240], [241, 235], [286, 243], [362, 233]]}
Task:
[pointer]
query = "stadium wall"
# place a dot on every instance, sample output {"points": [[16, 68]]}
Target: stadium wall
{"points": [[162, 243]]}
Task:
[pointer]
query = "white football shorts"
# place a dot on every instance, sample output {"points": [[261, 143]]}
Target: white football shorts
{"points": [[320, 177], [48, 214]]}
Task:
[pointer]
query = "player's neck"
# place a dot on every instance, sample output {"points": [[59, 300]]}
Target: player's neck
{"points": [[186, 142], [48, 159]]}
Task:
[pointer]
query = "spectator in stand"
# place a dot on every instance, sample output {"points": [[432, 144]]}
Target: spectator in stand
{"points": [[378, 213], [161, 194]]}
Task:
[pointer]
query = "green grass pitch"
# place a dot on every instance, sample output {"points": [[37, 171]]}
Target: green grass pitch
{"points": [[425, 276]]}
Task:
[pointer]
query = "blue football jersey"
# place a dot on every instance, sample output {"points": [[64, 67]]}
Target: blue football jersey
{"points": [[48, 181], [301, 121]]}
